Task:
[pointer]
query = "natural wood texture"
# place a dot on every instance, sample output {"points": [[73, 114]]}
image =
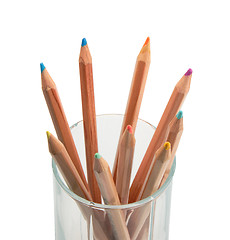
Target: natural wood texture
{"points": [[160, 162], [100, 230], [175, 133], [60, 122], [175, 102], [137, 220], [67, 168], [110, 197], [144, 232], [75, 184], [125, 162], [89, 118], [135, 95]]}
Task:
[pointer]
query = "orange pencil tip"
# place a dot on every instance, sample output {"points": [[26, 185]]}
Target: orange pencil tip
{"points": [[146, 41]]}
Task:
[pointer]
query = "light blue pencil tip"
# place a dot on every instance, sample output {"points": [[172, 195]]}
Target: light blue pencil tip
{"points": [[97, 156], [179, 115], [84, 42], [42, 67]]}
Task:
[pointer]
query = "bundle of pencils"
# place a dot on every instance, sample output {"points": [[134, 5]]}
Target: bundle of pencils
{"points": [[114, 187]]}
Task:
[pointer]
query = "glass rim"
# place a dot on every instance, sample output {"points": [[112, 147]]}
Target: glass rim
{"points": [[123, 206]]}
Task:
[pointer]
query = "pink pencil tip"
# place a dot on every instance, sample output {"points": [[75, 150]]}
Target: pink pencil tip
{"points": [[130, 129], [189, 72]]}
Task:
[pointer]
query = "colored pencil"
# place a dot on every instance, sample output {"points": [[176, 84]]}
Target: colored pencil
{"points": [[58, 116], [175, 102], [144, 232], [66, 167], [135, 95], [89, 116], [137, 220], [110, 197], [157, 171], [75, 184], [125, 162], [100, 232], [136, 225], [175, 133]]}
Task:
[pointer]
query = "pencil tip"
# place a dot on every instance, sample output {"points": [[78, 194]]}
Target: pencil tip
{"points": [[189, 72], [84, 42], [146, 41], [48, 134], [179, 115], [42, 67], [167, 145], [146, 47], [130, 129], [100, 165], [97, 156]]}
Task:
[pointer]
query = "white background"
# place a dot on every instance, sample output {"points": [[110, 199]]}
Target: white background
{"points": [[183, 34]]}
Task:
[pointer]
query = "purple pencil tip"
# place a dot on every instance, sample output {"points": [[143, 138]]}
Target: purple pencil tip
{"points": [[189, 72]]}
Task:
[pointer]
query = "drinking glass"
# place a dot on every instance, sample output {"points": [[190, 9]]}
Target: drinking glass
{"points": [[79, 219]]}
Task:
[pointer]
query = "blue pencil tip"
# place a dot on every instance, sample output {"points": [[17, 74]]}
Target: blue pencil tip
{"points": [[179, 115], [42, 67], [84, 42]]}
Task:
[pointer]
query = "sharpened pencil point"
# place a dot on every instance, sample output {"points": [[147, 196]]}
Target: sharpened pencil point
{"points": [[97, 156], [189, 72], [48, 134], [179, 115], [167, 145], [100, 165], [130, 129], [145, 48], [146, 41], [42, 67], [84, 42]]}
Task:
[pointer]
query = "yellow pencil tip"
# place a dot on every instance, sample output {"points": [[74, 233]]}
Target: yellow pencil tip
{"points": [[48, 134], [167, 145]]}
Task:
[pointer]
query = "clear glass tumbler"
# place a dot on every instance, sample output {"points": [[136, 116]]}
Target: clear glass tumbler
{"points": [[79, 219]]}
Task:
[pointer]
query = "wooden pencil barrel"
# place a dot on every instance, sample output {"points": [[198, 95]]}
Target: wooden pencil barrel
{"points": [[77, 218]]}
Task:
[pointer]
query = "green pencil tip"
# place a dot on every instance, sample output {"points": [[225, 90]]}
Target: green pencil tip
{"points": [[179, 115], [97, 156]]}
